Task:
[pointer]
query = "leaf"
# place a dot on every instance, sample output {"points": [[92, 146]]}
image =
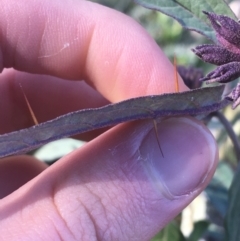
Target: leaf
{"points": [[170, 233], [217, 199], [224, 174], [189, 12], [232, 221], [198, 102], [217, 191], [199, 229]]}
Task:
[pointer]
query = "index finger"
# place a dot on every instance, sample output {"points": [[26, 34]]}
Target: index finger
{"points": [[83, 40]]}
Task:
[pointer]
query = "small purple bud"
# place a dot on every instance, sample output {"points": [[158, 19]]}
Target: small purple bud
{"points": [[190, 76], [215, 54], [227, 29], [224, 73], [235, 96]]}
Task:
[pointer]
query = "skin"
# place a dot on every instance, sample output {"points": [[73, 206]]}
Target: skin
{"points": [[118, 186]]}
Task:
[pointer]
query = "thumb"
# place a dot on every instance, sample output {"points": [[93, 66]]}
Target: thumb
{"points": [[117, 187]]}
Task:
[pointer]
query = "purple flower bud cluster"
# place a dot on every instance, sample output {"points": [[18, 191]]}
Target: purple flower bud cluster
{"points": [[226, 55]]}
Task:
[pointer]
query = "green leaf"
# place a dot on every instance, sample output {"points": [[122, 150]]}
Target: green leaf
{"points": [[218, 199], [217, 190], [199, 229], [197, 102], [224, 174], [232, 221], [170, 233], [189, 12]]}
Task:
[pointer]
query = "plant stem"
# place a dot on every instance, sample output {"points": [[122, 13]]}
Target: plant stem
{"points": [[230, 132]]}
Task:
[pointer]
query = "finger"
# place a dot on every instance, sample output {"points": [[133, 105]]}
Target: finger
{"points": [[118, 187], [16, 171], [87, 41]]}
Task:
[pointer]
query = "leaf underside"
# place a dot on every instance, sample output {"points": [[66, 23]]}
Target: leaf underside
{"points": [[189, 12], [198, 103]]}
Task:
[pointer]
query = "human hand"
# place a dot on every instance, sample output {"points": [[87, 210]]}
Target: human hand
{"points": [[118, 186]]}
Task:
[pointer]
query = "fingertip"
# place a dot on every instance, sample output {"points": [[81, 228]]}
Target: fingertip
{"points": [[190, 157], [128, 63], [90, 41]]}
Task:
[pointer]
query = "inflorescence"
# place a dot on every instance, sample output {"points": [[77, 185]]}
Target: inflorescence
{"points": [[226, 54]]}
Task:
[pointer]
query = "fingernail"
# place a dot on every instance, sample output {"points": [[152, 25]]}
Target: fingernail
{"points": [[189, 155]]}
